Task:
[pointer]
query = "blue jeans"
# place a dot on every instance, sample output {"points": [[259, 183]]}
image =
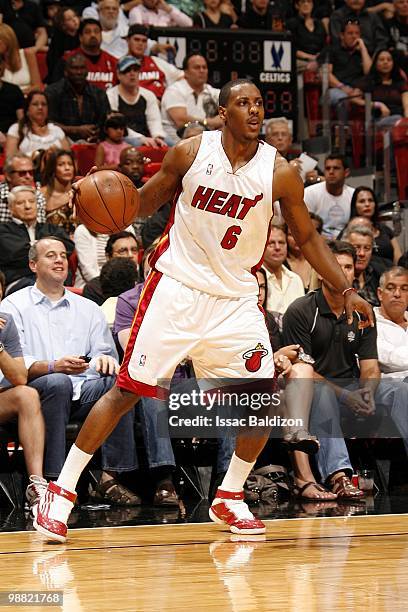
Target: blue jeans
{"points": [[391, 398], [55, 390], [325, 424], [158, 448]]}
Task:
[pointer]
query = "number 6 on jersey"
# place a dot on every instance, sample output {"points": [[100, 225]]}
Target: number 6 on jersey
{"points": [[231, 237]]}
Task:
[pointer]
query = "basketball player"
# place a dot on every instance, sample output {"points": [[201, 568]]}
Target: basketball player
{"points": [[200, 299]]}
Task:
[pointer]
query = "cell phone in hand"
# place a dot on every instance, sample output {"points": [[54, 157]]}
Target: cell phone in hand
{"points": [[86, 358]]}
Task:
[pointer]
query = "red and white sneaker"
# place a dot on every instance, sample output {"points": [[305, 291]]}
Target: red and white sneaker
{"points": [[53, 512], [229, 508]]}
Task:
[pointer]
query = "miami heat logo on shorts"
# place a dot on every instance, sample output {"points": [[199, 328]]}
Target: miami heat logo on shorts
{"points": [[253, 357]]}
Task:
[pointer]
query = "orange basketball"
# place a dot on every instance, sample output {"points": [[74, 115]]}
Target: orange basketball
{"points": [[106, 201]]}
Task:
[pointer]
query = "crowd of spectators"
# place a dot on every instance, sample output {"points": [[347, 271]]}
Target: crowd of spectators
{"points": [[109, 86]]}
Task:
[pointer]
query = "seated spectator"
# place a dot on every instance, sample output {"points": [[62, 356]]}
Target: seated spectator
{"points": [[121, 244], [101, 65], [349, 61], [131, 163], [138, 105], [159, 450], [212, 16], [296, 403], [364, 203], [118, 275], [367, 271], [388, 88], [309, 35], [398, 32], [155, 73], [22, 404], [284, 286], [19, 170], [297, 262], [190, 99], [373, 31], [90, 250], [331, 199], [264, 15], [347, 357], [11, 102], [34, 132], [392, 323], [310, 318], [160, 14], [59, 172], [108, 152], [21, 64], [65, 38], [114, 25], [49, 12], [17, 235], [59, 370], [79, 122], [26, 20], [279, 134]]}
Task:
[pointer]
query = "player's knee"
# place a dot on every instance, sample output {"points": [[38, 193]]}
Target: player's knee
{"points": [[123, 400]]}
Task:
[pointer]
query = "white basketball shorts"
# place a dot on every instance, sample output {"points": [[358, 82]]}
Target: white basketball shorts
{"points": [[225, 338]]}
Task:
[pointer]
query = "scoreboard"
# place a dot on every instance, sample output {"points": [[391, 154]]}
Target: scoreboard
{"points": [[267, 58]]}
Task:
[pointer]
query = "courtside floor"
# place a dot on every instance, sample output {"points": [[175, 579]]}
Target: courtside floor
{"points": [[350, 562]]}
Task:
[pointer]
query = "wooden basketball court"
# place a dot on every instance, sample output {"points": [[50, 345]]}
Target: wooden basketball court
{"points": [[354, 563]]}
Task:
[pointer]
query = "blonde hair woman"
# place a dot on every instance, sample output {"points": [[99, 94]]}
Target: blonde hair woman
{"points": [[21, 64]]}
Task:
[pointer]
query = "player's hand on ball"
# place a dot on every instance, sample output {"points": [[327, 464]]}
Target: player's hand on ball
{"points": [[75, 188], [106, 365]]}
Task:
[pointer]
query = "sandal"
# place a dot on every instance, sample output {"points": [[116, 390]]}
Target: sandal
{"points": [[345, 489], [114, 493], [298, 492], [301, 440]]}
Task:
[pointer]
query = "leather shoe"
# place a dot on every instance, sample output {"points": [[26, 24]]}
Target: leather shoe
{"points": [[165, 495]]}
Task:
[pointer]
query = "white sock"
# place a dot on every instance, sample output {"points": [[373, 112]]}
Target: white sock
{"points": [[236, 475], [74, 465]]}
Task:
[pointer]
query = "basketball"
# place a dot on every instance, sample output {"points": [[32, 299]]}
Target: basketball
{"points": [[106, 201]]}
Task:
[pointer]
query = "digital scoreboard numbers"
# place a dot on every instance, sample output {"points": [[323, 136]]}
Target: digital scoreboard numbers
{"points": [[265, 57]]}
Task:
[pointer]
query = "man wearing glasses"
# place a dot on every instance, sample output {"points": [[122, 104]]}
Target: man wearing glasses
{"points": [[19, 171], [17, 235]]}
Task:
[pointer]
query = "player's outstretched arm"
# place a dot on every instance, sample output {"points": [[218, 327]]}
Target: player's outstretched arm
{"points": [[288, 189], [162, 187]]}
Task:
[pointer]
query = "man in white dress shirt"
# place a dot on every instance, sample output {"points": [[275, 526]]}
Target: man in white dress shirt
{"points": [[392, 323], [71, 360]]}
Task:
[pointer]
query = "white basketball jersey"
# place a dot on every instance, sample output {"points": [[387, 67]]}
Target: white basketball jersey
{"points": [[217, 234]]}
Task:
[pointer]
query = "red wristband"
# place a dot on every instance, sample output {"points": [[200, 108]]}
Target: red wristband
{"points": [[349, 289]]}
